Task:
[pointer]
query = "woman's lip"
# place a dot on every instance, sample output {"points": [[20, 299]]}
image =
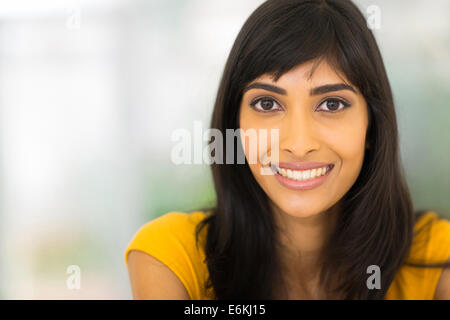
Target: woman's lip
{"points": [[302, 165], [302, 185]]}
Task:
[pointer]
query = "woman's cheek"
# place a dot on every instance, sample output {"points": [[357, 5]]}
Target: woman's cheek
{"points": [[256, 138], [349, 145], [346, 137]]}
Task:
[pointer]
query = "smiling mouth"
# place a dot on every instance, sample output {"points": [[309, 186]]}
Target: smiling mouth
{"points": [[302, 180], [302, 175]]}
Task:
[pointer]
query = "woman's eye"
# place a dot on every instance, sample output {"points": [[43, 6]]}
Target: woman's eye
{"points": [[265, 104], [333, 105]]}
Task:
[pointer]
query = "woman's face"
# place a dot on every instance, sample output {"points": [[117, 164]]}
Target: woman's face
{"points": [[316, 124]]}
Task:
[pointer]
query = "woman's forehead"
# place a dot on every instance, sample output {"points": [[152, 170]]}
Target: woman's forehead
{"points": [[310, 73]]}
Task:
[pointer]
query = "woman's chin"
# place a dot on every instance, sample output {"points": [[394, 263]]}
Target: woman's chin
{"points": [[302, 214], [301, 208], [300, 211]]}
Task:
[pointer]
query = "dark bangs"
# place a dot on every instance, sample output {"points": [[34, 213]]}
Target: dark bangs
{"points": [[293, 33]]}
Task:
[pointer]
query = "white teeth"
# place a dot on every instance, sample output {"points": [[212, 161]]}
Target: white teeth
{"points": [[302, 175], [306, 174]]}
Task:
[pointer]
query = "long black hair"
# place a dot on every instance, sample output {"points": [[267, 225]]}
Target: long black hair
{"points": [[377, 220]]}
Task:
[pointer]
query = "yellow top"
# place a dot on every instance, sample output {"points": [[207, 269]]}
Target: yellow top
{"points": [[171, 239]]}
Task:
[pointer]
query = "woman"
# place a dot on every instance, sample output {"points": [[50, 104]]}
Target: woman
{"points": [[335, 219]]}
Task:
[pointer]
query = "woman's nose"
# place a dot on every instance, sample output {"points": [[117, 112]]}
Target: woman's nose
{"points": [[297, 136]]}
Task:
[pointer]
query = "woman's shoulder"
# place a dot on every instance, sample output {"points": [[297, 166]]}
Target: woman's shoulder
{"points": [[167, 230], [431, 245], [431, 241], [171, 239], [178, 222]]}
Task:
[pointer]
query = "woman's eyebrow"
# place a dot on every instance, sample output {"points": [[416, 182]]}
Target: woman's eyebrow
{"points": [[265, 86], [330, 88], [314, 91]]}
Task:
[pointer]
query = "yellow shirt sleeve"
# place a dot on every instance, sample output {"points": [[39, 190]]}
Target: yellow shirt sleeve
{"points": [[438, 251], [431, 245], [170, 238]]}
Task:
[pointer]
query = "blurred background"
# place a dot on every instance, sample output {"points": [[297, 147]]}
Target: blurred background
{"points": [[90, 93]]}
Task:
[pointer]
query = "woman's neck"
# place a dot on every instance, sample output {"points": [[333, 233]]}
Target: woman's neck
{"points": [[301, 245]]}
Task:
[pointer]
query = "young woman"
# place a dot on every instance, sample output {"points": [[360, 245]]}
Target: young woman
{"points": [[335, 219]]}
